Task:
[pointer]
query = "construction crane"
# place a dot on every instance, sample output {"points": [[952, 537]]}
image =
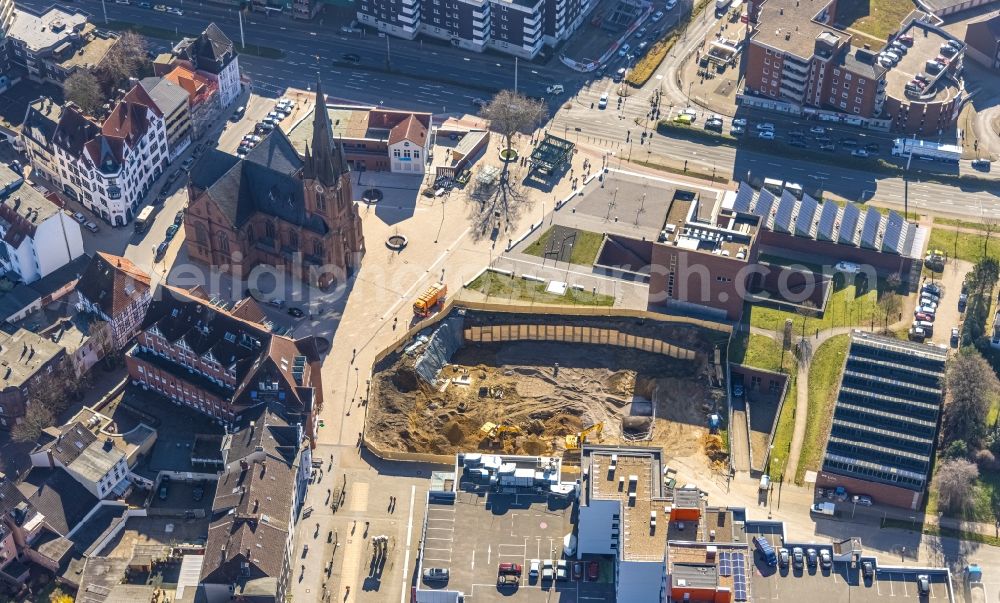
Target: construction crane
{"points": [[575, 441], [496, 432]]}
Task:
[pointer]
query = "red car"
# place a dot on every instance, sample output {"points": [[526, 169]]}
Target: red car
{"points": [[593, 570], [923, 316], [513, 569]]}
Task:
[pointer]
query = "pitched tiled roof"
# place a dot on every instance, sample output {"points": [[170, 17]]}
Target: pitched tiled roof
{"points": [[112, 283], [140, 96], [128, 120], [55, 494], [409, 129], [74, 130]]}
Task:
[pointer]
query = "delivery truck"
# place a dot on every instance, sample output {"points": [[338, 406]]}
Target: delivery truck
{"points": [[429, 299]]}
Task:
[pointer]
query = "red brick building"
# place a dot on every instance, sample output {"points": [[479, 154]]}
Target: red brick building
{"points": [[214, 360]]}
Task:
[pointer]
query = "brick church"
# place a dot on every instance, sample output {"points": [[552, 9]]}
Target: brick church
{"points": [[275, 207]]}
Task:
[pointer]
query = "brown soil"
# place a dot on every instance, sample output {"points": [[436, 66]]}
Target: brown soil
{"points": [[519, 384]]}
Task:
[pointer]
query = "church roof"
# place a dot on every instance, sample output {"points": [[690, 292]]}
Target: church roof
{"points": [[324, 159]]}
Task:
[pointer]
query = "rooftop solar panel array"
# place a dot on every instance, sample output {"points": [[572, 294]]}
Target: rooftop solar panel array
{"points": [[849, 224], [869, 231], [783, 216], [886, 413], [744, 195], [827, 221], [895, 233], [807, 213], [765, 201]]}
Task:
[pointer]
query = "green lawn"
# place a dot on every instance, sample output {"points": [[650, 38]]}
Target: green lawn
{"points": [[960, 223], [877, 18], [786, 425], [502, 286], [942, 532], [987, 490], [761, 352], [584, 251], [846, 307], [824, 375], [963, 245]]}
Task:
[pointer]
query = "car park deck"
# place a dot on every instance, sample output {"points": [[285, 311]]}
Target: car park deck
{"points": [[481, 529]]}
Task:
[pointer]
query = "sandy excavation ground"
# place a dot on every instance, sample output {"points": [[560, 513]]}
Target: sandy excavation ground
{"points": [[518, 384]]}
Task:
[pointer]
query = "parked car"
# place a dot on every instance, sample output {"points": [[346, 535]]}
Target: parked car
{"points": [[714, 124], [509, 568], [548, 569], [867, 569], [603, 102], [657, 16], [161, 250], [197, 493], [179, 217], [737, 131], [783, 557], [171, 231], [436, 574], [175, 11], [670, 4], [164, 487], [927, 310], [797, 556], [578, 570], [859, 153], [955, 337], [848, 267], [533, 568], [562, 570], [739, 121], [555, 89], [825, 560], [79, 217], [932, 288], [187, 163], [982, 164], [92, 227], [963, 301], [811, 557], [829, 147], [921, 316], [923, 584], [297, 313], [848, 142]]}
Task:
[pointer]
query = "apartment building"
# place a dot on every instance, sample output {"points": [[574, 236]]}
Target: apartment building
{"points": [[174, 104], [51, 46], [36, 236], [118, 292], [110, 168], [214, 55], [210, 359], [37, 135], [6, 20], [96, 463], [518, 27], [203, 97]]}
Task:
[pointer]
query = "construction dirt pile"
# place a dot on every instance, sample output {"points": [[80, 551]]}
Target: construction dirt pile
{"points": [[538, 393]]}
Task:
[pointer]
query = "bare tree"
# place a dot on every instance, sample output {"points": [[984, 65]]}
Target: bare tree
{"points": [[127, 58], [956, 480], [971, 386], [888, 304], [502, 198], [36, 418], [83, 89], [805, 310]]}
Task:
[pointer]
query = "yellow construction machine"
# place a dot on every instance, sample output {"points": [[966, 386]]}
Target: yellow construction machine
{"points": [[496, 432], [575, 441]]}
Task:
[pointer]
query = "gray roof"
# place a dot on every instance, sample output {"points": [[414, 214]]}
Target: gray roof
{"points": [[213, 165], [167, 95], [41, 120], [938, 7], [863, 62], [695, 575], [23, 354], [42, 31], [57, 496], [70, 443], [96, 460], [27, 200], [276, 152]]}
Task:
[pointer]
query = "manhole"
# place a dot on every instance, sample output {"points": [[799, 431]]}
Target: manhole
{"points": [[396, 242], [372, 195]]}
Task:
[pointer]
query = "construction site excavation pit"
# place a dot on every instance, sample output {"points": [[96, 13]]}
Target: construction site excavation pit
{"points": [[521, 383]]}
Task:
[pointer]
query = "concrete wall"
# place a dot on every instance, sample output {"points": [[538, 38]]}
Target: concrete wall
{"points": [[573, 334]]}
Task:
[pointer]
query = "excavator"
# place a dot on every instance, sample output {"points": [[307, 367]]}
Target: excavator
{"points": [[577, 440], [496, 432]]}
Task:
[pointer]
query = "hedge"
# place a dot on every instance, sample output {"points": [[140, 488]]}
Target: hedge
{"points": [[648, 64]]}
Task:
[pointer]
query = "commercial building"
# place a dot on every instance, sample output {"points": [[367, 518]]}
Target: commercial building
{"points": [[175, 105], [208, 358], [982, 36], [373, 138], [36, 236], [37, 139], [520, 28], [27, 361], [86, 338], [944, 8], [203, 97], [6, 20], [213, 54], [118, 292], [278, 208], [798, 61], [885, 420], [51, 46]]}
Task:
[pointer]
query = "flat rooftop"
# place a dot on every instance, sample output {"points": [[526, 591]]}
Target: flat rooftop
{"points": [[927, 43], [788, 25], [42, 31], [92, 52], [633, 478]]}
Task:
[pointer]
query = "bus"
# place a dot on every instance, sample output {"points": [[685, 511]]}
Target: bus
{"points": [[144, 218]]}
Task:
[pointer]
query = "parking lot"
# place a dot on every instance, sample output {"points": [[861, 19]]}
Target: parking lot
{"points": [[481, 530], [841, 582]]}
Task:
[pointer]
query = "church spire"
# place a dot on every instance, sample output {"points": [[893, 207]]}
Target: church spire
{"points": [[327, 161]]}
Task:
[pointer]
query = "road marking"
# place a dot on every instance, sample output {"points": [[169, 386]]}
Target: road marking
{"points": [[409, 533]]}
